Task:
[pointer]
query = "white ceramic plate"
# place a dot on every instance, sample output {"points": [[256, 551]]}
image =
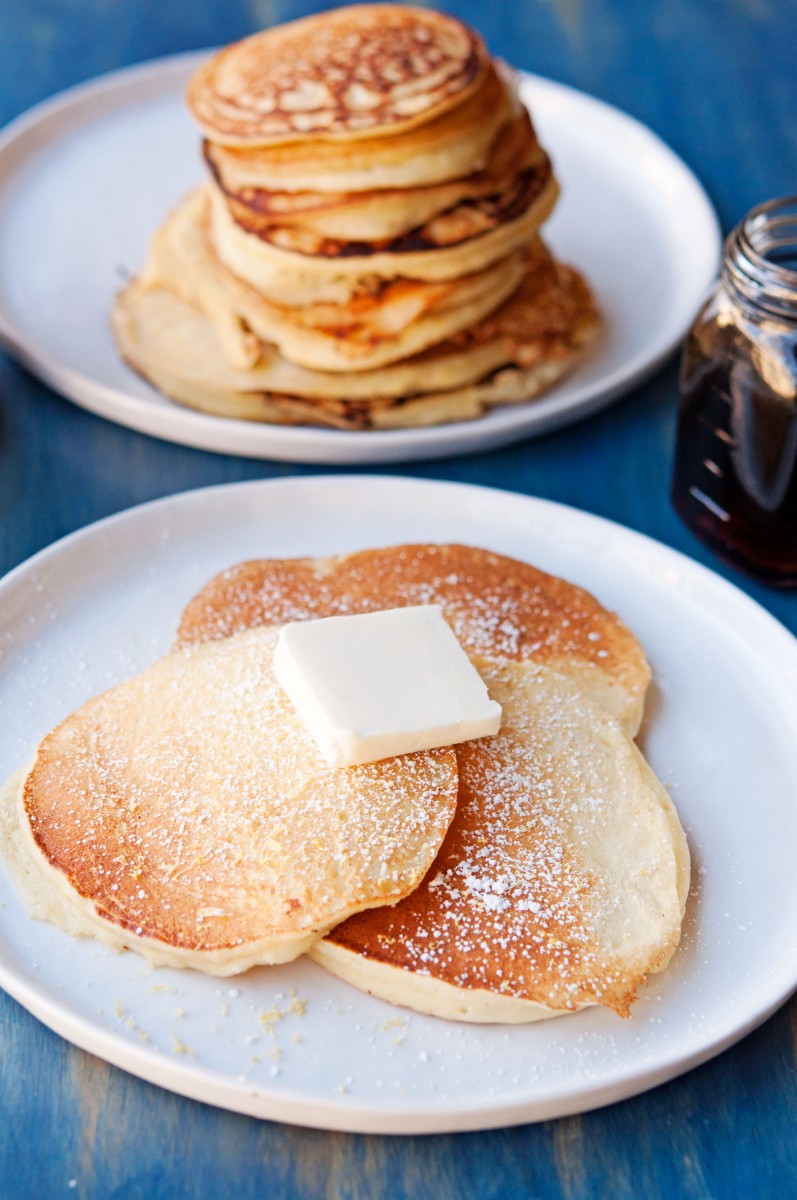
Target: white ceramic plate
{"points": [[86, 178], [105, 602]]}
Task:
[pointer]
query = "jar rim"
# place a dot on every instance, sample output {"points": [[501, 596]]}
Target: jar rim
{"points": [[748, 262]]}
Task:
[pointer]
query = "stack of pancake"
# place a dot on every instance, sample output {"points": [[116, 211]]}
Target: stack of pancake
{"points": [[188, 814], [366, 251]]}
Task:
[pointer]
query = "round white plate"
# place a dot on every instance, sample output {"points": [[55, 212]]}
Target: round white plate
{"points": [[105, 602], [86, 178]]}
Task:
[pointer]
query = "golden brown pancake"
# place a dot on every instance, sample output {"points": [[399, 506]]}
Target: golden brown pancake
{"points": [[512, 385], [187, 813], [451, 147], [381, 215], [284, 261], [352, 72], [561, 882], [509, 386], [375, 327], [540, 334], [367, 254], [536, 337], [470, 218], [498, 607]]}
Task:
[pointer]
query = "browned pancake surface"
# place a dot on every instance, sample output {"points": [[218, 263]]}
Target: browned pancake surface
{"points": [[532, 189], [497, 606], [349, 72], [543, 331], [516, 150], [190, 806], [560, 881], [451, 147]]}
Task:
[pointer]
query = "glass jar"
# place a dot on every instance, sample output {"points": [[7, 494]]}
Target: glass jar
{"points": [[735, 475]]}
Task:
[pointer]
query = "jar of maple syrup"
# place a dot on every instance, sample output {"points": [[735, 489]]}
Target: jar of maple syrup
{"points": [[735, 476]]}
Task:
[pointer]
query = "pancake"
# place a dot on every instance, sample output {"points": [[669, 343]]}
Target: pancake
{"points": [[387, 213], [188, 814], [366, 255], [536, 337], [509, 386], [159, 333], [468, 219], [284, 261], [561, 882], [402, 320], [358, 71], [451, 147], [497, 606], [379, 326]]}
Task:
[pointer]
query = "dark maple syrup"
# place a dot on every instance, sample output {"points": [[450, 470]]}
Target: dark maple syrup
{"points": [[735, 473]]}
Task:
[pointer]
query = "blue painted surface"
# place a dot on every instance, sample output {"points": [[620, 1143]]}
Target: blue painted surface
{"points": [[716, 79]]}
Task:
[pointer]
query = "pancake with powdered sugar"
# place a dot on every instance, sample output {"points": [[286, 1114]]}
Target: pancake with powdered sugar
{"points": [[498, 607], [561, 883], [188, 814]]}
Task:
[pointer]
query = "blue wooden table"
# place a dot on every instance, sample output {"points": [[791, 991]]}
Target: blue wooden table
{"points": [[717, 80]]}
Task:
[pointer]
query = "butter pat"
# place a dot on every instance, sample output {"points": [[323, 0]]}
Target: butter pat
{"points": [[384, 683]]}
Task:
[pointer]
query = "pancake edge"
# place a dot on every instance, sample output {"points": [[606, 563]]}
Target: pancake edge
{"points": [[50, 897], [425, 994]]}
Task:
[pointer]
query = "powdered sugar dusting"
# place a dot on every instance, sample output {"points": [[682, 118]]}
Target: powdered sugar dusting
{"points": [[516, 902], [497, 606], [190, 805]]}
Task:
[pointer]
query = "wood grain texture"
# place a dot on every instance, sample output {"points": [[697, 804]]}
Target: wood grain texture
{"points": [[716, 79]]}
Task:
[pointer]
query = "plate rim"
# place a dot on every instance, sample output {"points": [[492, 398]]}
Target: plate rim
{"points": [[185, 426], [195, 1081]]}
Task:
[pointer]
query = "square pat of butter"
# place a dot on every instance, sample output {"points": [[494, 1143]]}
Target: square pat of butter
{"points": [[383, 683]]}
